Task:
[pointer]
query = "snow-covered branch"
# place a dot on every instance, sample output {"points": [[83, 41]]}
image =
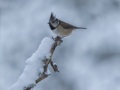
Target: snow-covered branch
{"points": [[36, 68]]}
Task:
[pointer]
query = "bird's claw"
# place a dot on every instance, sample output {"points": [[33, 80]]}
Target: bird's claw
{"points": [[58, 40]]}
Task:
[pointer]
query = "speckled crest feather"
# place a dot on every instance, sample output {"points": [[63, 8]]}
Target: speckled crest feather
{"points": [[52, 17]]}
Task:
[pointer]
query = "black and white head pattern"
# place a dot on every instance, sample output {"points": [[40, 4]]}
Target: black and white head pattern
{"points": [[53, 22]]}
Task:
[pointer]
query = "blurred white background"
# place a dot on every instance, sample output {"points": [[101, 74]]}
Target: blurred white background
{"points": [[87, 60]]}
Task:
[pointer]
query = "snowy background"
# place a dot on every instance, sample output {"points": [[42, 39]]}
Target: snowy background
{"points": [[87, 60]]}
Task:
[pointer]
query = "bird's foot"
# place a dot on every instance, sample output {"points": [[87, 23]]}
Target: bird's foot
{"points": [[58, 40]]}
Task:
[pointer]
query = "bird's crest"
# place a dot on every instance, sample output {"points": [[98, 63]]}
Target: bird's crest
{"points": [[52, 17]]}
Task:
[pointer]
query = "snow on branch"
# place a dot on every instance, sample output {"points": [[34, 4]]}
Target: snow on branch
{"points": [[36, 68]]}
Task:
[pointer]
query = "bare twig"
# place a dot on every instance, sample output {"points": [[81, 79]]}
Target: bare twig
{"points": [[54, 66]]}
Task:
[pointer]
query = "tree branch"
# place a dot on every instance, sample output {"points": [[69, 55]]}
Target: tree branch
{"points": [[43, 56], [50, 61]]}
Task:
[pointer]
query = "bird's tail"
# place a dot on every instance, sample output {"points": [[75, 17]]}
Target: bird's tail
{"points": [[81, 28]]}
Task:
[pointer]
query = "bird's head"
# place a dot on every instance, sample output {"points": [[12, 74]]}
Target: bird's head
{"points": [[53, 21]]}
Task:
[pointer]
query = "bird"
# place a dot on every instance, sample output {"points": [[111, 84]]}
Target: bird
{"points": [[61, 28]]}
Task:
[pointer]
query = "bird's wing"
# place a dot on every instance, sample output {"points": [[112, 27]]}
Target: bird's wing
{"points": [[69, 26]]}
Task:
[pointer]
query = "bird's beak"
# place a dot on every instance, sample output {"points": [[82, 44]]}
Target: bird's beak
{"points": [[48, 22]]}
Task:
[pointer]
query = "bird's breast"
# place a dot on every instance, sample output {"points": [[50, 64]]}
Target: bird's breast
{"points": [[62, 32]]}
